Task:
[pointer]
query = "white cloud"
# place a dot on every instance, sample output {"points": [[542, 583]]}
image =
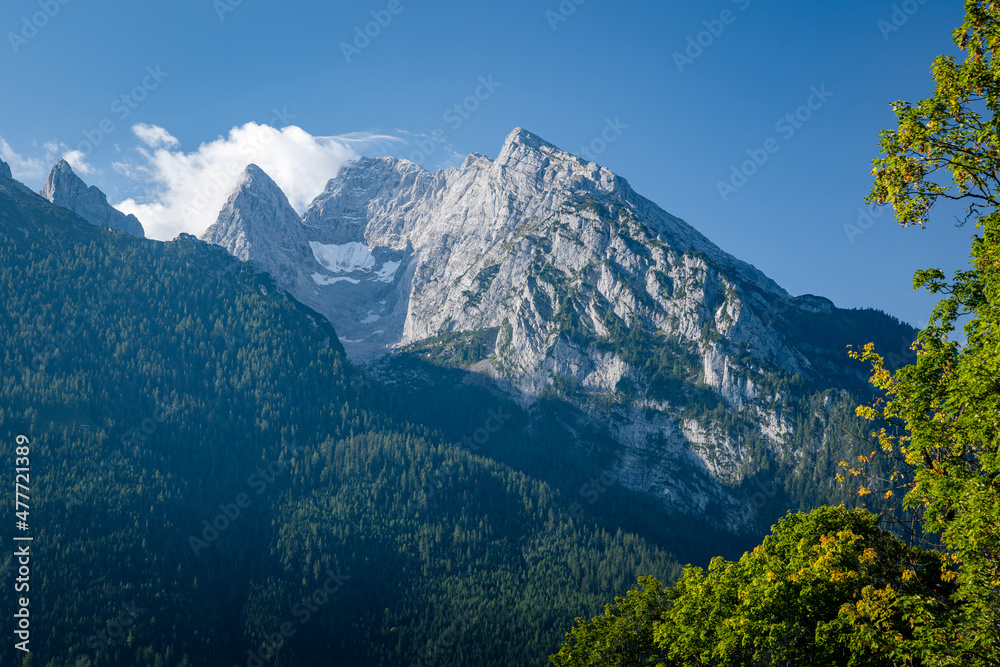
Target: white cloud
{"points": [[431, 151], [155, 136], [187, 190], [77, 160], [34, 169], [22, 168]]}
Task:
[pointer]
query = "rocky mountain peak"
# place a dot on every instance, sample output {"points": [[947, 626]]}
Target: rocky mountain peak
{"points": [[521, 139], [552, 275], [361, 194], [5, 171], [256, 208], [259, 225], [64, 188], [469, 241], [256, 179], [476, 160], [62, 166], [254, 185], [528, 154]]}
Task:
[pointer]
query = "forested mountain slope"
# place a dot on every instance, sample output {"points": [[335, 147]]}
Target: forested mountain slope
{"points": [[208, 470]]}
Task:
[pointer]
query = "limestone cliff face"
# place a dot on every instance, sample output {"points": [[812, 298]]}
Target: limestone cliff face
{"points": [[584, 289], [258, 225]]}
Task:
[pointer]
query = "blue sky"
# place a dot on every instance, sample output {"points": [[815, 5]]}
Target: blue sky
{"points": [[560, 69]]}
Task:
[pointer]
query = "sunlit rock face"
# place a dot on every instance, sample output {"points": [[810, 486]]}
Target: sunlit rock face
{"points": [[583, 288]]}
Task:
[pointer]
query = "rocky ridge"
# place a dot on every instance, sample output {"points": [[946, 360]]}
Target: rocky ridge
{"points": [[64, 188], [582, 289]]}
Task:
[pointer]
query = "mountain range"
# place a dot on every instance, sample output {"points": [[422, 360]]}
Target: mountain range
{"points": [[206, 479], [547, 275], [500, 392]]}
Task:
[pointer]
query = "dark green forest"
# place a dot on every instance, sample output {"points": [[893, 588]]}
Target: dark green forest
{"points": [[208, 471]]}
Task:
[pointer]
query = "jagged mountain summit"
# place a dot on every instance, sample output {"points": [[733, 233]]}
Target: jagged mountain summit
{"points": [[491, 245], [258, 225], [5, 175], [64, 188], [550, 274]]}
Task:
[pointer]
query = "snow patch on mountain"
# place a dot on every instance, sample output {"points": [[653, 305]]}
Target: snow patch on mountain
{"points": [[351, 257], [320, 279], [387, 272], [344, 258]]}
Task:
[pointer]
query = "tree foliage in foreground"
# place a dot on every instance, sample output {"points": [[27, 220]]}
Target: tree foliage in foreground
{"points": [[941, 415], [828, 587]]}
